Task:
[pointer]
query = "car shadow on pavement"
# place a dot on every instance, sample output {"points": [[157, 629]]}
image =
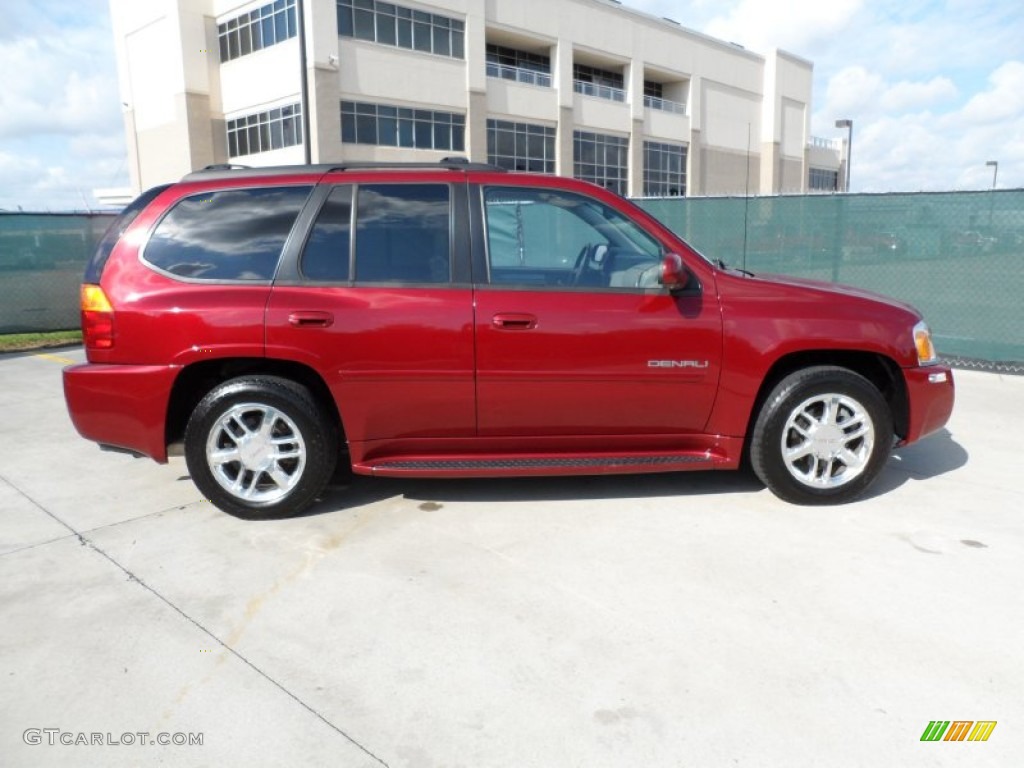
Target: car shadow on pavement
{"points": [[936, 455], [359, 490], [932, 457]]}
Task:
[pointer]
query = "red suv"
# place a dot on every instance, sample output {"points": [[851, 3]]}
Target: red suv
{"points": [[455, 320]]}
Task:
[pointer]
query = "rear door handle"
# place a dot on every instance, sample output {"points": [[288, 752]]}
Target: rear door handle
{"points": [[311, 319], [514, 321]]}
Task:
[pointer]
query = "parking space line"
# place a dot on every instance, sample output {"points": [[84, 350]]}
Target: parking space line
{"points": [[54, 358]]}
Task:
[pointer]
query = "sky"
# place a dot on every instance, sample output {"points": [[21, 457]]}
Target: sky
{"points": [[935, 89]]}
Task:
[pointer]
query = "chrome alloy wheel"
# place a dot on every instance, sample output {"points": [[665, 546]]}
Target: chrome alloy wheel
{"points": [[827, 441], [256, 453]]}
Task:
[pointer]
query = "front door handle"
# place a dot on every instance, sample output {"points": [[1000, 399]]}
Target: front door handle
{"points": [[514, 321], [311, 319]]}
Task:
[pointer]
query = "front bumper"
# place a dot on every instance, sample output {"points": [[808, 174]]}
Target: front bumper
{"points": [[124, 406], [930, 396]]}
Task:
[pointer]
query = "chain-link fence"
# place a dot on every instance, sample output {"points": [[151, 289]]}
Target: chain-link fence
{"points": [[956, 256], [42, 258]]}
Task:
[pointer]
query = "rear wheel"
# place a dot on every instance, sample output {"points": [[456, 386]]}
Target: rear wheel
{"points": [[822, 436], [260, 446]]}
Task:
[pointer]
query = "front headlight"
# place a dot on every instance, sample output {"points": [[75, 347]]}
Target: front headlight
{"points": [[926, 354]]}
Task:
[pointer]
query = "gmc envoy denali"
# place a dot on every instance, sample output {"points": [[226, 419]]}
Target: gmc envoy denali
{"points": [[455, 320]]}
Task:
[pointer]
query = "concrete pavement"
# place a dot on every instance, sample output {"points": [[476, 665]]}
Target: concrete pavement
{"points": [[661, 620]]}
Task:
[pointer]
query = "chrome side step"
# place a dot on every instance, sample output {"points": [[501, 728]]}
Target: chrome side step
{"points": [[539, 463], [536, 465]]}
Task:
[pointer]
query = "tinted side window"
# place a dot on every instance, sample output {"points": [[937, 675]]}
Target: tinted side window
{"points": [[94, 269], [402, 233], [234, 234], [326, 254]]}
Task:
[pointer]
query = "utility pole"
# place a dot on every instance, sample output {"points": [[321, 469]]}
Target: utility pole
{"points": [[304, 82]]}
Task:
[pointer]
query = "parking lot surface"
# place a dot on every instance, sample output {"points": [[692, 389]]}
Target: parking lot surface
{"points": [[660, 620]]}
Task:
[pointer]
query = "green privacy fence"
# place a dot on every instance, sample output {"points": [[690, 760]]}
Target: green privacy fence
{"points": [[957, 256], [42, 258]]}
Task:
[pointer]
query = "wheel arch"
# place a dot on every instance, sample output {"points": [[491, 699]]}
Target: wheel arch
{"points": [[196, 380], [880, 370]]}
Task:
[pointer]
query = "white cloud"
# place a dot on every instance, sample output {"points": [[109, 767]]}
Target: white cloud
{"points": [[1003, 100], [907, 96], [97, 145], [852, 91], [55, 88], [60, 113], [857, 92], [901, 146], [17, 169], [934, 87], [802, 25], [57, 174]]}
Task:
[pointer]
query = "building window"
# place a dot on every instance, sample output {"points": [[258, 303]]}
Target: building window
{"points": [[266, 26], [598, 82], [387, 126], [390, 24], [654, 98], [664, 170], [264, 131], [601, 159], [521, 66], [521, 146], [824, 181]]}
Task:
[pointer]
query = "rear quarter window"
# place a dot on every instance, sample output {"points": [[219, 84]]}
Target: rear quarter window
{"points": [[232, 234], [94, 269]]}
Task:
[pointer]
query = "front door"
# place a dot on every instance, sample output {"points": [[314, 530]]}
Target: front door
{"points": [[574, 334]]}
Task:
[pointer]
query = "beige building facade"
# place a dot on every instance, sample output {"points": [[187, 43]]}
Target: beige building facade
{"points": [[585, 88]]}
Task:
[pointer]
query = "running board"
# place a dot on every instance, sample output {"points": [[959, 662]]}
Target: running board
{"points": [[491, 466]]}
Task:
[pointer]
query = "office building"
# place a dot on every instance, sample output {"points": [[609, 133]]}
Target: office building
{"points": [[587, 88]]}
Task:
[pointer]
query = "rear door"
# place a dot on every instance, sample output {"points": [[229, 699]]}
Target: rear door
{"points": [[377, 299], [574, 335]]}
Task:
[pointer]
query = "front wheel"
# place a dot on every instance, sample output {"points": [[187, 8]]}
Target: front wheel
{"points": [[260, 446], [822, 436]]}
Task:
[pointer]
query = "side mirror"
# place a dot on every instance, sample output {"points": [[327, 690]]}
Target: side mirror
{"points": [[673, 274]]}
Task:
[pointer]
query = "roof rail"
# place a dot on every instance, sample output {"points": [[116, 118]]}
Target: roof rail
{"points": [[451, 163], [227, 170]]}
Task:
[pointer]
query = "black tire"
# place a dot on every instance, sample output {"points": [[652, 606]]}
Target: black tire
{"points": [[833, 459], [279, 447]]}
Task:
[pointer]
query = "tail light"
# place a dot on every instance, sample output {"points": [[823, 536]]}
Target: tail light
{"points": [[97, 318]]}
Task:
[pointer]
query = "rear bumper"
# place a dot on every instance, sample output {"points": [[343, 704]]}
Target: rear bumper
{"points": [[930, 396], [124, 406]]}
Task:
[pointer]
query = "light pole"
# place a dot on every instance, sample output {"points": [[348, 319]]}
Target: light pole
{"points": [[304, 83], [848, 125], [995, 171]]}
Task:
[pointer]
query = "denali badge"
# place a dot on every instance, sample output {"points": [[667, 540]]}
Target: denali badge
{"points": [[677, 363]]}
